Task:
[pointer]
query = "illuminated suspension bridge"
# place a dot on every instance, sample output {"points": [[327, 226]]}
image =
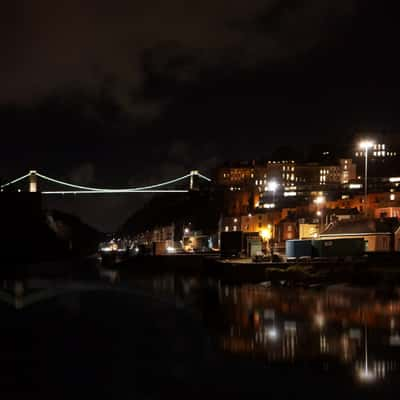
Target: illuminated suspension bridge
{"points": [[161, 187]]}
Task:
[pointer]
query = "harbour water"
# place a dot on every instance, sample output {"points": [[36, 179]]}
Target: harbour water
{"points": [[157, 336]]}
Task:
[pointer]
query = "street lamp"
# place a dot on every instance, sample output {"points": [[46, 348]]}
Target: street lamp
{"points": [[366, 145], [319, 201], [266, 235]]}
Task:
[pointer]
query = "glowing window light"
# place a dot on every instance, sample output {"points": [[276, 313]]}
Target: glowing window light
{"points": [[269, 205]]}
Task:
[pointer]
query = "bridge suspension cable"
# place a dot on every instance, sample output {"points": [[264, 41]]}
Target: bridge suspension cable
{"points": [[14, 181], [114, 191], [87, 189], [106, 190], [203, 177]]}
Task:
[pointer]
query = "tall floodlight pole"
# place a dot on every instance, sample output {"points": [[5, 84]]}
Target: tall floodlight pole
{"points": [[320, 201], [272, 187], [366, 145]]}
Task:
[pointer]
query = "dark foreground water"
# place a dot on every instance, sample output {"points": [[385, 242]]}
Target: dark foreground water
{"points": [[179, 337]]}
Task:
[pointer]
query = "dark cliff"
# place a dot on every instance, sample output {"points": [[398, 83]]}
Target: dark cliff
{"points": [[201, 208], [28, 234]]}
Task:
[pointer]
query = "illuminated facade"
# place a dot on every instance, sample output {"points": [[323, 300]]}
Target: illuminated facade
{"points": [[315, 174], [375, 202], [236, 176], [260, 222], [268, 182], [378, 151]]}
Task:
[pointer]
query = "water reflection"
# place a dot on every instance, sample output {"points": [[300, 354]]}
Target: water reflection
{"points": [[355, 330], [356, 327]]}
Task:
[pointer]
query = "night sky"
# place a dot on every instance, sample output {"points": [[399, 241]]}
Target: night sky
{"points": [[122, 92]]}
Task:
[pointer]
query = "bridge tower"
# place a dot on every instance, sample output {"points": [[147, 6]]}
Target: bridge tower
{"points": [[32, 181], [194, 180]]}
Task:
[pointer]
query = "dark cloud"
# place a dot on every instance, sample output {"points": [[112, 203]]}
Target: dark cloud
{"points": [[51, 43], [84, 174], [46, 44], [287, 28]]}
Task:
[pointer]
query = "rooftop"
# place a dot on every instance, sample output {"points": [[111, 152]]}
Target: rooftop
{"points": [[362, 226]]}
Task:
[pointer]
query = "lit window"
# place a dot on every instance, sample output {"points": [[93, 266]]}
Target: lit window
{"points": [[227, 228], [383, 147], [234, 228], [374, 153], [392, 197]]}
